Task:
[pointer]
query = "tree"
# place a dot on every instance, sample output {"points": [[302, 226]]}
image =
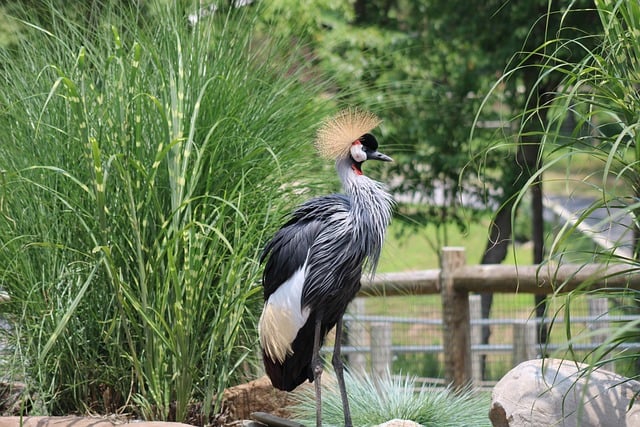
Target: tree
{"points": [[426, 65], [547, 25], [595, 92], [392, 57]]}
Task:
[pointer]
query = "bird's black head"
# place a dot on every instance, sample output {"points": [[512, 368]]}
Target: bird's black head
{"points": [[369, 141], [366, 148]]}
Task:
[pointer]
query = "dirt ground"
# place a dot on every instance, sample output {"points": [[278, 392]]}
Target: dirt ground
{"points": [[255, 396], [238, 404]]}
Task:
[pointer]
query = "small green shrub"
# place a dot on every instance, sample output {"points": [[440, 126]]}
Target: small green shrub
{"points": [[374, 401]]}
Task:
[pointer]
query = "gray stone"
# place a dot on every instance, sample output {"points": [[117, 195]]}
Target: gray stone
{"points": [[553, 392], [400, 423], [73, 421]]}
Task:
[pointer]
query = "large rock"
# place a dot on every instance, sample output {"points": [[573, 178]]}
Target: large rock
{"points": [[552, 392]]}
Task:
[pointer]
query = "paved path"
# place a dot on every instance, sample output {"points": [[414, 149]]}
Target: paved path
{"points": [[608, 227]]}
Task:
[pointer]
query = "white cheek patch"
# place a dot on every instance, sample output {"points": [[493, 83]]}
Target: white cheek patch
{"points": [[358, 153]]}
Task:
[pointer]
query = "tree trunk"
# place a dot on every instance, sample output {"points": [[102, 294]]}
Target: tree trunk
{"points": [[500, 232], [360, 11], [517, 175], [533, 160]]}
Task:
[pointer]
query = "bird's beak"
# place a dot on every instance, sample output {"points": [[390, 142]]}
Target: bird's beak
{"points": [[376, 155]]}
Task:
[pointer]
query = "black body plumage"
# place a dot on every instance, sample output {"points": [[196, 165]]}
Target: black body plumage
{"points": [[313, 266], [315, 229], [337, 236]]}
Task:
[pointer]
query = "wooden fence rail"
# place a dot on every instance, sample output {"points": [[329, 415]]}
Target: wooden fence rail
{"points": [[456, 280]]}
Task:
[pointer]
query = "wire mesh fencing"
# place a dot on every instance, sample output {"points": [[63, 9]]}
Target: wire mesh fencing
{"points": [[404, 334]]}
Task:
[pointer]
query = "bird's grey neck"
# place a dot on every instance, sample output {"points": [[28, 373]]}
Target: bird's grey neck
{"points": [[356, 184], [371, 207]]}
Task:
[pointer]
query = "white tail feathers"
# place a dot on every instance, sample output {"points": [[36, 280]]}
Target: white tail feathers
{"points": [[277, 332], [282, 318]]}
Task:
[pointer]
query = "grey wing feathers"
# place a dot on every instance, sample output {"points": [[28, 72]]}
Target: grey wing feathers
{"points": [[334, 266], [288, 249]]}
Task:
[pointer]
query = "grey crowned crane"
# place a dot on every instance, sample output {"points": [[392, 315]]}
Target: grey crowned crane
{"points": [[315, 261]]}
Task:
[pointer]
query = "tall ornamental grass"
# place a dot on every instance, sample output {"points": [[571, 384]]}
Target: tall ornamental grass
{"points": [[600, 92], [593, 125], [144, 159]]}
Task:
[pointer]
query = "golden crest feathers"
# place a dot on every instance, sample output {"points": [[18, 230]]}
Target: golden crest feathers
{"points": [[335, 136]]}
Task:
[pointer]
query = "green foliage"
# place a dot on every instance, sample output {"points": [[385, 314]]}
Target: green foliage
{"points": [[425, 365], [422, 84], [142, 170], [9, 29], [604, 100], [594, 115], [425, 66], [387, 57], [374, 401]]}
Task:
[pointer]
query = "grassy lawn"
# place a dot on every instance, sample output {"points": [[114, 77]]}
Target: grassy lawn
{"points": [[581, 175], [415, 251]]}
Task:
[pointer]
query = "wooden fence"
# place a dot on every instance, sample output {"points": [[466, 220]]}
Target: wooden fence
{"points": [[456, 280]]}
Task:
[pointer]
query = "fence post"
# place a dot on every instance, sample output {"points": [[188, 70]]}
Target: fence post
{"points": [[357, 337], [455, 318], [525, 337], [475, 313], [381, 348], [599, 308]]}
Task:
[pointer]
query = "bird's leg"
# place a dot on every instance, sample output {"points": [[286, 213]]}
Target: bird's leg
{"points": [[338, 367], [316, 365]]}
